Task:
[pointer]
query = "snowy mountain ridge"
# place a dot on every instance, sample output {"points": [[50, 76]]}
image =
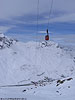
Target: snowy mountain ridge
{"points": [[28, 58], [34, 63], [5, 41]]}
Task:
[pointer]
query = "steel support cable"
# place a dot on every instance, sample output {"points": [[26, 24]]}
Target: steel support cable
{"points": [[50, 12], [37, 18]]}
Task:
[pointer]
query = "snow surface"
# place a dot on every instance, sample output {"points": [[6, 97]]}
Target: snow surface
{"points": [[24, 63]]}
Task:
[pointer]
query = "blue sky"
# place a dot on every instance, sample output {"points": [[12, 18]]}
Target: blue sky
{"points": [[20, 16]]}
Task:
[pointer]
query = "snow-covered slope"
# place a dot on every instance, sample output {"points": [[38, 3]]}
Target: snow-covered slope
{"points": [[26, 62], [51, 67]]}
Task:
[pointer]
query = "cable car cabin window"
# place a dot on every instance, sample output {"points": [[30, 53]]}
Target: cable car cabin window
{"points": [[47, 37]]}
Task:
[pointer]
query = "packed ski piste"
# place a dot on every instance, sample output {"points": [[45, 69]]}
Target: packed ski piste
{"points": [[36, 71]]}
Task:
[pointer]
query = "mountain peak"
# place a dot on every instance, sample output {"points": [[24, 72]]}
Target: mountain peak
{"points": [[1, 35], [5, 41]]}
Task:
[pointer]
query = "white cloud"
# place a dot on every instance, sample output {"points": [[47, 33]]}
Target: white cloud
{"points": [[66, 40], [64, 18], [44, 31], [14, 8], [4, 29]]}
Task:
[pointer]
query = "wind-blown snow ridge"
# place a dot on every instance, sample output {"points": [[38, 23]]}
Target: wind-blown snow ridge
{"points": [[26, 62]]}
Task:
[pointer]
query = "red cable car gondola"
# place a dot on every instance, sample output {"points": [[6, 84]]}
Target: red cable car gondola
{"points": [[47, 36]]}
